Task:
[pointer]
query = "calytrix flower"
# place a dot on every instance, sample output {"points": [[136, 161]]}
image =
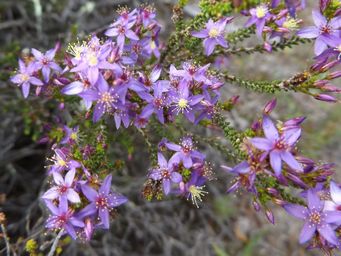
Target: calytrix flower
{"points": [[259, 16], [165, 173], [326, 32], [278, 146], [107, 98], [315, 219], [184, 152], [101, 201], [63, 218], [64, 189], [213, 34], [71, 135], [45, 62], [62, 162], [25, 77], [183, 102]]}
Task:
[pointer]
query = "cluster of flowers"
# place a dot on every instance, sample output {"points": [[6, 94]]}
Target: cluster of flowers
{"points": [[111, 77], [79, 201], [186, 171], [275, 155], [101, 73]]}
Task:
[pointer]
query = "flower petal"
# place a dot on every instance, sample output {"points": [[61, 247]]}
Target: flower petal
{"points": [[276, 162], [296, 210], [328, 233], [307, 232], [262, 143], [291, 161], [89, 192], [269, 128]]}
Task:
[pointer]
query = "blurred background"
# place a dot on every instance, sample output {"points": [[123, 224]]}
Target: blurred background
{"points": [[225, 224]]}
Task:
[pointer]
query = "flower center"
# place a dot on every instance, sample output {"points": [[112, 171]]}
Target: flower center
{"points": [[121, 30], [45, 61], [326, 29], [165, 174], [61, 162], [261, 11], [158, 102], [213, 32], [102, 202], [107, 99], [92, 59], [197, 192], [24, 77], [183, 103], [62, 189], [280, 145], [290, 24], [74, 136], [62, 219], [152, 45], [315, 217]]}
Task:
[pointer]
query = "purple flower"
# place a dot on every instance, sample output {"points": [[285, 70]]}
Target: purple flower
{"points": [[315, 219], [326, 32], [63, 218], [107, 98], [62, 162], [64, 189], [184, 152], [156, 103], [278, 146], [91, 63], [190, 73], [151, 46], [213, 34], [45, 62], [71, 135], [194, 188], [183, 102], [165, 172], [259, 16], [25, 77], [121, 31], [101, 202]]}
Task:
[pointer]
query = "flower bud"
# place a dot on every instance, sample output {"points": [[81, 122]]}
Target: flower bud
{"points": [[326, 98], [267, 46], [329, 65], [334, 75], [270, 106], [269, 215], [256, 205]]}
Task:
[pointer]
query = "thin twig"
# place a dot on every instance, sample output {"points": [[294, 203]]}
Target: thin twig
{"points": [[8, 247], [55, 243]]}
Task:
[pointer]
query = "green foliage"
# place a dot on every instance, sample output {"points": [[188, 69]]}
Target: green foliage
{"points": [[215, 9]]}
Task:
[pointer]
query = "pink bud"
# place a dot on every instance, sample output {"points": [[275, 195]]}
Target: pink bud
{"points": [[234, 99], [326, 98], [267, 46], [320, 83], [256, 125], [256, 205], [270, 106], [329, 65], [334, 75], [269, 215]]}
